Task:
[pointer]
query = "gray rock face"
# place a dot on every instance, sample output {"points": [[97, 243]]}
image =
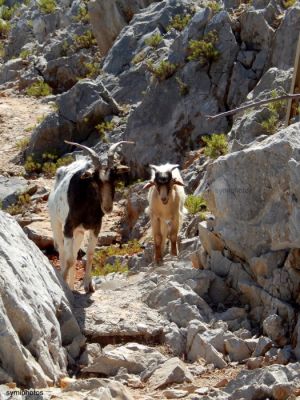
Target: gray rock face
{"points": [[36, 319], [135, 357], [252, 210], [108, 19], [172, 371], [10, 188]]}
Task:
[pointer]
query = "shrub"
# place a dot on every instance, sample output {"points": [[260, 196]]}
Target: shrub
{"points": [[5, 28], [83, 15], [85, 41], [154, 40], [270, 125], [100, 265], [288, 3], [39, 89], [179, 22], [163, 70], [25, 54], [22, 143], [93, 70], [20, 206], [216, 145], [183, 87], [195, 204], [204, 50], [47, 6], [2, 50], [50, 164], [139, 57], [104, 127], [7, 13], [214, 6]]}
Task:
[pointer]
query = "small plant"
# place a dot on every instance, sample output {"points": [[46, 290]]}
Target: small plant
{"points": [[22, 143], [204, 50], [20, 206], [47, 6], [216, 145], [25, 54], [30, 24], [100, 265], [50, 164], [30, 128], [183, 87], [2, 50], [85, 41], [7, 13], [214, 6], [93, 70], [154, 40], [163, 70], [195, 204], [179, 22], [5, 28], [39, 89], [288, 3], [270, 125], [83, 15], [139, 57], [105, 127]]}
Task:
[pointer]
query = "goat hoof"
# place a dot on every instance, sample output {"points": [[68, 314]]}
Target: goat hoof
{"points": [[89, 287]]}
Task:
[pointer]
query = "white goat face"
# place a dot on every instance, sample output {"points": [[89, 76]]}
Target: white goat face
{"points": [[107, 190]]}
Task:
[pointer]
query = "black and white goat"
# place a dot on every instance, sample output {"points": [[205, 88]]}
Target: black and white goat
{"points": [[83, 193], [166, 207]]}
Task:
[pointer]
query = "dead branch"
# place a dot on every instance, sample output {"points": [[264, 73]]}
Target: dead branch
{"points": [[254, 104]]}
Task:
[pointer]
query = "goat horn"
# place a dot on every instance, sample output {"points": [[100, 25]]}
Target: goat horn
{"points": [[112, 150], [175, 166], [154, 167], [94, 156]]}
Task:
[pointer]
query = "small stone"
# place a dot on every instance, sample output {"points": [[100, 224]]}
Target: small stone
{"points": [[66, 382], [175, 394], [254, 362]]}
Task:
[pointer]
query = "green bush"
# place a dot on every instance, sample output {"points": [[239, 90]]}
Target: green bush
{"points": [[163, 70], [195, 204], [47, 6], [179, 22], [204, 50], [83, 15], [25, 54], [288, 3], [154, 40], [270, 125], [216, 145], [7, 13], [5, 28], [85, 41], [50, 164], [39, 89], [22, 143], [93, 70], [214, 6]]}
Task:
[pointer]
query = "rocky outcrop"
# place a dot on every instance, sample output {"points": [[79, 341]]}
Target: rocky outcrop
{"points": [[36, 318]]}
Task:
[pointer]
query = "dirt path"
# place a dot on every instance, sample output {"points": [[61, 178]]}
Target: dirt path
{"points": [[18, 115]]}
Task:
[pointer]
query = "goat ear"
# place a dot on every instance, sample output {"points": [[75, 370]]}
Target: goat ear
{"points": [[121, 169], [87, 174], [148, 185], [177, 182]]}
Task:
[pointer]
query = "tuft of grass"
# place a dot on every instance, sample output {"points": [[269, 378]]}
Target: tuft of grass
{"points": [[288, 3], [195, 204], [93, 70], [22, 143], [179, 22], [216, 145], [83, 15], [214, 6], [154, 40], [183, 87], [20, 206], [85, 41], [50, 164], [204, 50], [25, 54], [39, 89], [163, 70], [104, 127], [5, 28], [270, 125], [100, 265], [139, 57], [47, 6], [7, 13]]}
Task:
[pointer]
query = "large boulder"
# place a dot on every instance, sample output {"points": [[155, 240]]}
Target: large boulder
{"points": [[35, 315], [109, 17], [258, 212]]}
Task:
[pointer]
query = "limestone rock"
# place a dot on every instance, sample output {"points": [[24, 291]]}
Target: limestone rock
{"points": [[10, 188], [172, 371], [35, 314], [135, 357]]}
